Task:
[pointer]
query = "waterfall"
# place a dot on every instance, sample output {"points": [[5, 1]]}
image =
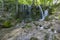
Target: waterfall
{"points": [[46, 12], [41, 11], [43, 14], [29, 10]]}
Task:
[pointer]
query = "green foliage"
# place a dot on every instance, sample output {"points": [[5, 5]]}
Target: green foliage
{"points": [[51, 10], [47, 18], [27, 2], [35, 13], [7, 24], [33, 38], [36, 2]]}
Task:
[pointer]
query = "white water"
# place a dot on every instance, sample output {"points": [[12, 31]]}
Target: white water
{"points": [[51, 34], [46, 12], [55, 31], [43, 14], [40, 28]]}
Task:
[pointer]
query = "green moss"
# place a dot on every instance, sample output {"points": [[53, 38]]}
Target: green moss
{"points": [[27, 26], [7, 24], [33, 38], [47, 18]]}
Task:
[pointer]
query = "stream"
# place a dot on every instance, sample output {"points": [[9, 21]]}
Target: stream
{"points": [[43, 15]]}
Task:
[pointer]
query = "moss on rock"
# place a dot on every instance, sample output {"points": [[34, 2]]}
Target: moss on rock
{"points": [[33, 38], [7, 24]]}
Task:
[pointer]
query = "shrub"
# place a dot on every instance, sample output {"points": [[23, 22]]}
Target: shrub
{"points": [[47, 18], [51, 10], [7, 24]]}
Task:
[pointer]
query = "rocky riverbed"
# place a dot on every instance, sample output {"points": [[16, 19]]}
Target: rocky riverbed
{"points": [[38, 30]]}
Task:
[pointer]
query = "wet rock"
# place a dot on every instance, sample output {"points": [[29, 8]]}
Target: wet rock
{"points": [[1, 25], [58, 30], [36, 23], [57, 21], [47, 25], [46, 36], [40, 25], [52, 30], [55, 31], [49, 30], [56, 18]]}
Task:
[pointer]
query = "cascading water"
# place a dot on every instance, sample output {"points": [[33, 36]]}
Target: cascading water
{"points": [[43, 14], [51, 34], [46, 12], [41, 11]]}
